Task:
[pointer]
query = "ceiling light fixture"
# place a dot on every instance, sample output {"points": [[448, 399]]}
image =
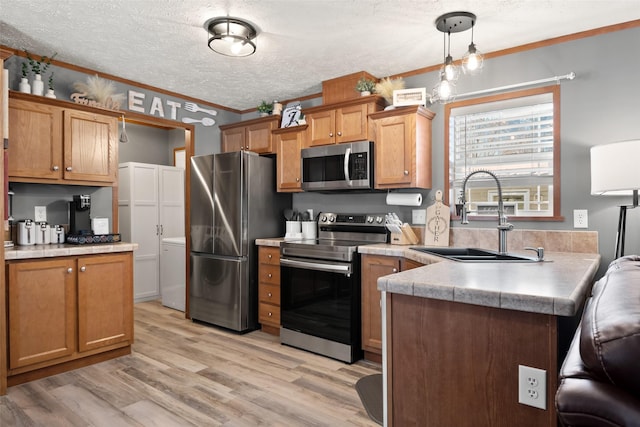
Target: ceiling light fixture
{"points": [[231, 36], [444, 91]]}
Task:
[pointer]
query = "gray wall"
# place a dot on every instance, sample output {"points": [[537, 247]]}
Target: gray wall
{"points": [[598, 107]]}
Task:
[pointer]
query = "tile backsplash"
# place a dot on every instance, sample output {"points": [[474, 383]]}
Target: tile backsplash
{"points": [[518, 239]]}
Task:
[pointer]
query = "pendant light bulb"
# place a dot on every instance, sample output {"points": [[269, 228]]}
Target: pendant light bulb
{"points": [[444, 91], [472, 60], [450, 70]]}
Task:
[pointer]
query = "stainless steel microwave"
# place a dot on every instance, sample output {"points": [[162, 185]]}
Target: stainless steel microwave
{"points": [[347, 166]]}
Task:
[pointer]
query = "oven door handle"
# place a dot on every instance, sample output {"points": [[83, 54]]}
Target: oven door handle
{"points": [[333, 268]]}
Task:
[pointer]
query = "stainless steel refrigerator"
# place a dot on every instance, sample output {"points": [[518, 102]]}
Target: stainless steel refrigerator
{"points": [[233, 202]]}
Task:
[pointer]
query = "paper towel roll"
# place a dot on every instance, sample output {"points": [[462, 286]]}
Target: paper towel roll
{"points": [[404, 199]]}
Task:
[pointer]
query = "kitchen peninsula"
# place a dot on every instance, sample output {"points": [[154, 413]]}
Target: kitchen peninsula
{"points": [[455, 334]]}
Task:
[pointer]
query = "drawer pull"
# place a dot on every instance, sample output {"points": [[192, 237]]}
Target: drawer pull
{"points": [[269, 294], [55, 168], [395, 270], [69, 168], [269, 275], [83, 268], [69, 270], [270, 314], [269, 256]]}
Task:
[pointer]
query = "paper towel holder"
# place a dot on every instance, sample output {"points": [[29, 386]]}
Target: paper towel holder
{"points": [[404, 199]]}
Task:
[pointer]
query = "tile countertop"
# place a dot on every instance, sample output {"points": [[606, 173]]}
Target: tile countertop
{"points": [[557, 286], [48, 251]]}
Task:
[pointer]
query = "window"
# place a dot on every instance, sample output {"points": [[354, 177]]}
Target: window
{"points": [[515, 136]]}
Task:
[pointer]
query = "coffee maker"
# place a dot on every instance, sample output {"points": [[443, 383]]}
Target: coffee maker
{"points": [[79, 215]]}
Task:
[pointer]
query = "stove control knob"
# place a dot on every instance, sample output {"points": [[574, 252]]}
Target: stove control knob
{"points": [[379, 219], [332, 219], [369, 219], [324, 218]]}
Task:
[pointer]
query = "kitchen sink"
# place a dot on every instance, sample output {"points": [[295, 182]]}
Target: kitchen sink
{"points": [[473, 254]]}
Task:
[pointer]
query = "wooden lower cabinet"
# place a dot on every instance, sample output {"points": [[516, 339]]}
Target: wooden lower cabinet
{"points": [[62, 310], [269, 289], [374, 267]]}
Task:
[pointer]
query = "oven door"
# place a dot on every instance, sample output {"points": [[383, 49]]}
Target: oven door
{"points": [[321, 298]]}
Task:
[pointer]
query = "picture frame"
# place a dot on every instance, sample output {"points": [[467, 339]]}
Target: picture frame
{"points": [[405, 97]]}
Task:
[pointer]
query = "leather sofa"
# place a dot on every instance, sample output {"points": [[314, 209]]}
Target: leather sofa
{"points": [[599, 382]]}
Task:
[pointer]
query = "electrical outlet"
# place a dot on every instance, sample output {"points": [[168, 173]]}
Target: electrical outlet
{"points": [[40, 214], [419, 216], [580, 218], [532, 386]]}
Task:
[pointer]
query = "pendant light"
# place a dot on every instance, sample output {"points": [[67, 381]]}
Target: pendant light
{"points": [[472, 60], [445, 90]]}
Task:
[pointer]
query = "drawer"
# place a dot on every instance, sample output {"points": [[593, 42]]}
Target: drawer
{"points": [[269, 255], [269, 293], [269, 314], [269, 274]]}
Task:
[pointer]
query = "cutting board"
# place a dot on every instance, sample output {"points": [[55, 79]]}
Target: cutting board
{"points": [[436, 230]]}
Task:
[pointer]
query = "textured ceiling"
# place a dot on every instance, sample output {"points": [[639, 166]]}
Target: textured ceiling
{"points": [[163, 43]]}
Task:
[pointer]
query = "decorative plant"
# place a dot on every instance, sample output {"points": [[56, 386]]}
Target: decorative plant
{"points": [[39, 67], [25, 70], [364, 85], [51, 81], [386, 87], [265, 107], [99, 90]]}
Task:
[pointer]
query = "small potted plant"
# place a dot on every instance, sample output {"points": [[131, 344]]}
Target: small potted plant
{"points": [[265, 108], [38, 68], [50, 93], [365, 86], [24, 86]]}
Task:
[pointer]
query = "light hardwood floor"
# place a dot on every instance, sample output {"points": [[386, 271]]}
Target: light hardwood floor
{"points": [[182, 373]]}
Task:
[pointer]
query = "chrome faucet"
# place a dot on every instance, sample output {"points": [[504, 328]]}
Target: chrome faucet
{"points": [[503, 225]]}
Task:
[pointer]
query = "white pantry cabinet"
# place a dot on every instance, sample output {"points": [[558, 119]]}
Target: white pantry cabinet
{"points": [[150, 208]]}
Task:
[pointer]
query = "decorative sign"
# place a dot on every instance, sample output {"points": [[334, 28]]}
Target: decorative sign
{"points": [[436, 230], [291, 114], [404, 97]]}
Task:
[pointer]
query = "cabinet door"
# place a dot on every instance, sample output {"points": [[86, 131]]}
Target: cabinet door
{"points": [[171, 201], [42, 311], [374, 267], [35, 150], [145, 230], [232, 139], [288, 161], [105, 307], [321, 128], [258, 137], [352, 124], [90, 147], [394, 155]]}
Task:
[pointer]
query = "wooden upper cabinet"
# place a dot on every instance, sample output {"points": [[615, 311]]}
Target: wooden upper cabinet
{"points": [[35, 150], [289, 143], [232, 139], [52, 142], [252, 135], [402, 148], [90, 147], [343, 122]]}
